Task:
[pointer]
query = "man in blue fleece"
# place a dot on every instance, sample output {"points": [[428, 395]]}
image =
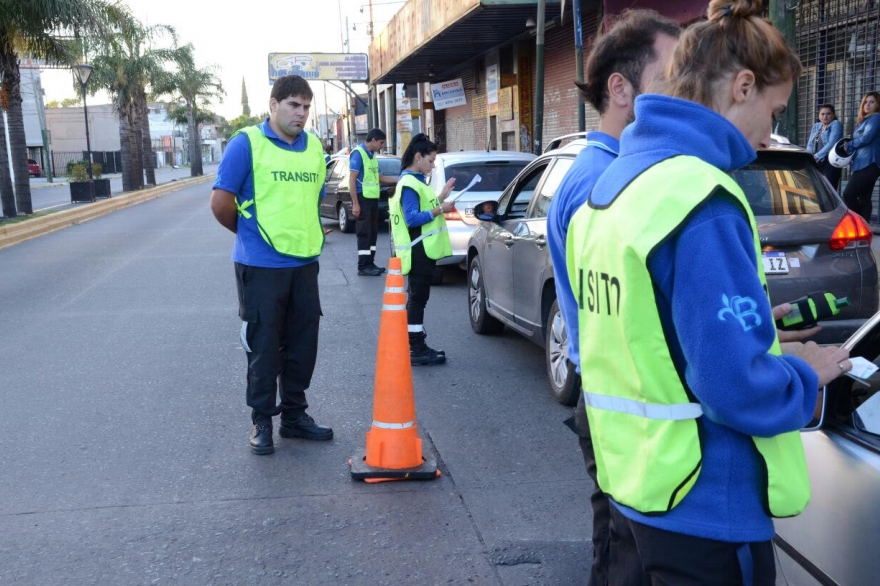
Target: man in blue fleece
{"points": [[623, 63], [693, 409]]}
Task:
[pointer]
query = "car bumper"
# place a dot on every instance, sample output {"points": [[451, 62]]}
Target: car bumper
{"points": [[459, 234]]}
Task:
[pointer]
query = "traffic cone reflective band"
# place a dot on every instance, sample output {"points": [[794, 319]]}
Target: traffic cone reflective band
{"points": [[394, 449]]}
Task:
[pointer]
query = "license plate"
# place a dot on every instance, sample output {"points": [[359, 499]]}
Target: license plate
{"points": [[775, 263]]}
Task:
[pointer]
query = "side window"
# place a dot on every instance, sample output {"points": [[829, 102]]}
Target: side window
{"points": [[516, 201], [856, 403], [541, 203], [340, 171]]}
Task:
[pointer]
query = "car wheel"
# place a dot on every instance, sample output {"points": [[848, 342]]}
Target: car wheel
{"points": [[345, 224], [561, 373], [481, 321], [437, 277]]}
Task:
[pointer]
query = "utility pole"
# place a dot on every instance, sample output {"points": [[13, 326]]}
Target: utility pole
{"points": [[782, 17], [341, 38], [41, 114], [372, 122], [579, 59], [539, 82]]}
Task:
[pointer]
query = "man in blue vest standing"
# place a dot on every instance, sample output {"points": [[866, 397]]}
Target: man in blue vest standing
{"points": [[365, 180], [268, 188], [623, 63]]}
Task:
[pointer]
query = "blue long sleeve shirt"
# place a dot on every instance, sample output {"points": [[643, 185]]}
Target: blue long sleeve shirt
{"points": [[832, 133], [744, 391], [411, 204], [574, 190], [865, 143]]}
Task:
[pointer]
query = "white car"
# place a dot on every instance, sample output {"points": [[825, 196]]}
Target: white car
{"points": [[496, 170]]}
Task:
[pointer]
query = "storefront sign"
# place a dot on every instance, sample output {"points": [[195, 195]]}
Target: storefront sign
{"points": [[448, 94], [404, 115], [319, 66], [524, 95]]}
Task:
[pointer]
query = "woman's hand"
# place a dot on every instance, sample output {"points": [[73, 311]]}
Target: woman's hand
{"points": [[784, 336], [447, 189]]}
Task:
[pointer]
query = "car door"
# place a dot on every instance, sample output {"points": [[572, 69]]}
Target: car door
{"points": [[502, 237], [338, 172], [834, 541], [531, 258]]}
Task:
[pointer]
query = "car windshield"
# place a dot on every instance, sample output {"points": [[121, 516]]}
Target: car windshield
{"points": [[494, 175], [390, 167], [785, 185]]}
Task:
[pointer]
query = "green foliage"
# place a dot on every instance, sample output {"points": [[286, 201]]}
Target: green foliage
{"points": [[241, 122], [97, 170], [77, 171]]}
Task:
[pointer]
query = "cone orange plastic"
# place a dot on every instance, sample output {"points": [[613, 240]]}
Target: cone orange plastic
{"points": [[393, 440]]}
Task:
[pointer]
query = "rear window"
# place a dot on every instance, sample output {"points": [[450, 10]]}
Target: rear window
{"points": [[494, 175], [780, 185], [389, 167]]}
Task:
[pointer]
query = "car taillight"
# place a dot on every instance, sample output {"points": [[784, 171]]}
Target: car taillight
{"points": [[851, 230], [452, 214]]}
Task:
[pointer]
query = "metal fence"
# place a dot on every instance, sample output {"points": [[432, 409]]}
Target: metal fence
{"points": [[837, 41], [110, 161]]}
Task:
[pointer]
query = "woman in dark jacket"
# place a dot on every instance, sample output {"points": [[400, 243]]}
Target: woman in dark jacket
{"points": [[825, 134], [865, 146]]}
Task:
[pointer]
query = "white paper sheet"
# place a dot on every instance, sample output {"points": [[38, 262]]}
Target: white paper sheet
{"points": [[473, 182]]}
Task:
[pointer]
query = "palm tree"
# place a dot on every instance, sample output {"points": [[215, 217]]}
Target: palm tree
{"points": [[37, 27], [196, 88], [126, 64]]}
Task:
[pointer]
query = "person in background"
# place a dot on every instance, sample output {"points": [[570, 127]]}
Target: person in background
{"points": [[694, 411], [865, 166], [276, 261], [825, 134], [418, 230], [328, 152], [365, 187], [624, 61]]}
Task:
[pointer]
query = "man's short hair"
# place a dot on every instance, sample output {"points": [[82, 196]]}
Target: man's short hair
{"points": [[625, 48], [289, 86], [376, 134]]}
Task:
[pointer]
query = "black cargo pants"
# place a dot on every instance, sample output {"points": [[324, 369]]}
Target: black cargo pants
{"points": [[280, 311], [367, 230]]}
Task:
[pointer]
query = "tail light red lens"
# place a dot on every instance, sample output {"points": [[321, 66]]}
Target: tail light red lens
{"points": [[852, 229], [452, 214]]}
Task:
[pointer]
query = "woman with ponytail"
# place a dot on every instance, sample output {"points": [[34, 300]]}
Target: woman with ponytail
{"points": [[418, 230], [694, 411]]}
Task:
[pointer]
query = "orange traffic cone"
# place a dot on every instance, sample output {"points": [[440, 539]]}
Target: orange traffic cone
{"points": [[394, 449]]}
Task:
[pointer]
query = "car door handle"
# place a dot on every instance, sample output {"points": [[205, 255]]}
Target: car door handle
{"points": [[540, 241], [508, 242]]}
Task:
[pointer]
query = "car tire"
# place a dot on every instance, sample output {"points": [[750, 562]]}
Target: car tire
{"points": [[481, 322], [346, 224], [437, 277], [561, 374]]}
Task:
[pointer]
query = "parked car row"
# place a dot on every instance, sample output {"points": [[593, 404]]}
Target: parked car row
{"points": [[337, 200]]}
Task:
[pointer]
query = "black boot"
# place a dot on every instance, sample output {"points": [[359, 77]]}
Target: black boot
{"points": [[303, 426], [420, 354], [261, 438]]}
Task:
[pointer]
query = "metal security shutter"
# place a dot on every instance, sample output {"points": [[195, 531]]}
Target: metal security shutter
{"points": [[838, 42], [465, 126]]}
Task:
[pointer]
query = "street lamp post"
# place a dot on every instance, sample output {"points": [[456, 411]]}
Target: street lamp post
{"points": [[82, 73]]}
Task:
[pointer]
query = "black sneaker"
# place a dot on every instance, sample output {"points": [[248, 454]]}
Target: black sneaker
{"points": [[369, 271], [305, 427], [426, 357], [378, 268], [261, 439]]}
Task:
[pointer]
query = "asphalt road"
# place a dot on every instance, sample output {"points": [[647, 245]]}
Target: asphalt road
{"points": [[124, 433]]}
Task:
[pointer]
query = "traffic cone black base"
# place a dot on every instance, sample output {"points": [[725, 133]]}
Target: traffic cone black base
{"points": [[360, 470]]}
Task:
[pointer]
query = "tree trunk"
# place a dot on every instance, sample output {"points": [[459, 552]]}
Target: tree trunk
{"points": [[137, 146], [17, 140], [125, 146], [149, 157], [195, 142], [7, 194]]}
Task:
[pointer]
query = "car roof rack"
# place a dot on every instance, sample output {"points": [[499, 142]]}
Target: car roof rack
{"points": [[556, 142]]}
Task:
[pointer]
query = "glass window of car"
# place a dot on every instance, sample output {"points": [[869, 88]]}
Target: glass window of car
{"points": [[389, 166], [340, 171], [514, 202], [494, 175], [541, 203], [784, 185]]}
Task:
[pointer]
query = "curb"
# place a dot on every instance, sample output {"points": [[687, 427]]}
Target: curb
{"points": [[20, 231]]}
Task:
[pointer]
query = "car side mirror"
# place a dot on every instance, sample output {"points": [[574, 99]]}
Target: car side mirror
{"points": [[486, 211], [818, 419]]}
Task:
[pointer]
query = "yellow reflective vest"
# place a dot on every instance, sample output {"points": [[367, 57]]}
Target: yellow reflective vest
{"points": [[287, 194], [434, 235], [643, 421], [369, 179]]}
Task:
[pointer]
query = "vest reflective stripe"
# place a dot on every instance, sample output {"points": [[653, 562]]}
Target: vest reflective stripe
{"points": [[648, 457], [434, 235], [369, 179], [647, 410], [287, 194]]}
